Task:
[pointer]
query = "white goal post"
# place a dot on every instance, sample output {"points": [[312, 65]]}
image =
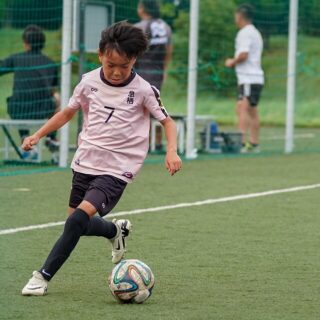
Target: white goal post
{"points": [[291, 75], [65, 78], [100, 12], [191, 152]]}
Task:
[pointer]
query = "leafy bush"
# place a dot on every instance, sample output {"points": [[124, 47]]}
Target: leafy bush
{"points": [[47, 14], [216, 43]]}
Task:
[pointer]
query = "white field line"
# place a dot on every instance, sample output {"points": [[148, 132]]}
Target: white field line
{"points": [[172, 207], [296, 136]]}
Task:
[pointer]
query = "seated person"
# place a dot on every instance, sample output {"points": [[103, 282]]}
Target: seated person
{"points": [[35, 82]]}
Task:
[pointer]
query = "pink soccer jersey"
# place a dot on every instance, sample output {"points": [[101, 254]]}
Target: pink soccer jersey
{"points": [[115, 136]]}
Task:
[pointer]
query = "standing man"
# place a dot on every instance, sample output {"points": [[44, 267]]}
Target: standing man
{"points": [[152, 66], [247, 63]]}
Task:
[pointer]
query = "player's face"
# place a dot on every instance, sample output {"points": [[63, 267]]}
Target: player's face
{"points": [[238, 19], [140, 11], [116, 67]]}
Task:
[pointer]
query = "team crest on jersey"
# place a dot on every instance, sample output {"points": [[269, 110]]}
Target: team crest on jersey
{"points": [[128, 175], [130, 99], [94, 89]]}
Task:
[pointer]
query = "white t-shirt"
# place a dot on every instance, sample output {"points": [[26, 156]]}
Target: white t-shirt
{"points": [[115, 136], [249, 40]]}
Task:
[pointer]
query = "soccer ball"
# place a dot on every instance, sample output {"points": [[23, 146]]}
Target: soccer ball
{"points": [[131, 281]]}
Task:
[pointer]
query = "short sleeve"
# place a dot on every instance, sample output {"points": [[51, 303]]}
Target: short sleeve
{"points": [[7, 65], [153, 103], [78, 99], [243, 42]]}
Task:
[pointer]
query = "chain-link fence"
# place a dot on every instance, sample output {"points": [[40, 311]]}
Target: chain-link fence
{"points": [[30, 77]]}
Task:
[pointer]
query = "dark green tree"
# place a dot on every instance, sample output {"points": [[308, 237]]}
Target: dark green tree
{"points": [[47, 14], [216, 43]]}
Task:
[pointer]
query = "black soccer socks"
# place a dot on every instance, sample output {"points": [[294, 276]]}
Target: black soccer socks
{"points": [[101, 228], [75, 226]]}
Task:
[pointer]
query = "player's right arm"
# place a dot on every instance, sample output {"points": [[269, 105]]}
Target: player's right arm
{"points": [[53, 124], [6, 65], [243, 43], [232, 62]]}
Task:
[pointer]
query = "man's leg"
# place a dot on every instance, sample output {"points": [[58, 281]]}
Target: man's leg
{"points": [[243, 121], [254, 125]]}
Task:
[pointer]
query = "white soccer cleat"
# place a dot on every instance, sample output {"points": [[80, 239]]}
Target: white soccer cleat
{"points": [[36, 286], [118, 242]]}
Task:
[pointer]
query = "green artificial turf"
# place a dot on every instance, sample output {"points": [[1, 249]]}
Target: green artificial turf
{"points": [[248, 259]]}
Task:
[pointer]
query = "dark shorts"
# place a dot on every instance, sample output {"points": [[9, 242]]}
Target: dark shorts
{"points": [[250, 91], [103, 192]]}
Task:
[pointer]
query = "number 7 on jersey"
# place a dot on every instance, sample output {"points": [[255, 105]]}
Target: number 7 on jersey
{"points": [[111, 113]]}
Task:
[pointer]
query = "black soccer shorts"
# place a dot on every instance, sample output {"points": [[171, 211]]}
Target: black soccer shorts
{"points": [[251, 91], [103, 191]]}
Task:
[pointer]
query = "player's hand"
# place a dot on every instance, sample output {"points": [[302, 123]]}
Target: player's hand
{"points": [[29, 142], [173, 162], [229, 63]]}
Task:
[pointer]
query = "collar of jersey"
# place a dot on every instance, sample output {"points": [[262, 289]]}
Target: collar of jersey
{"points": [[123, 84]]}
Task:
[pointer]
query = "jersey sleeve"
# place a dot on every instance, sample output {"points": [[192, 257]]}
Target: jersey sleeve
{"points": [[153, 103], [244, 42], [78, 99]]}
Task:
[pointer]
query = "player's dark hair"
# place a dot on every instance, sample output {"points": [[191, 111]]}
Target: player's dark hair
{"points": [[125, 39], [34, 36], [151, 7], [247, 11]]}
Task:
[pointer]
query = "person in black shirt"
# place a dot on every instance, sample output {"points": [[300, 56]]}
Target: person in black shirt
{"points": [[152, 66], [35, 82]]}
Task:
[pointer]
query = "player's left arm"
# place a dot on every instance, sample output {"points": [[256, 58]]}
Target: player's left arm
{"points": [[245, 43], [172, 161], [153, 103]]}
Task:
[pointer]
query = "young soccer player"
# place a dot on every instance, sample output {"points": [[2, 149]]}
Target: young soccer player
{"points": [[113, 144]]}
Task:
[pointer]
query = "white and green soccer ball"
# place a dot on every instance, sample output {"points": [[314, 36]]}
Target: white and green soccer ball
{"points": [[131, 281]]}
